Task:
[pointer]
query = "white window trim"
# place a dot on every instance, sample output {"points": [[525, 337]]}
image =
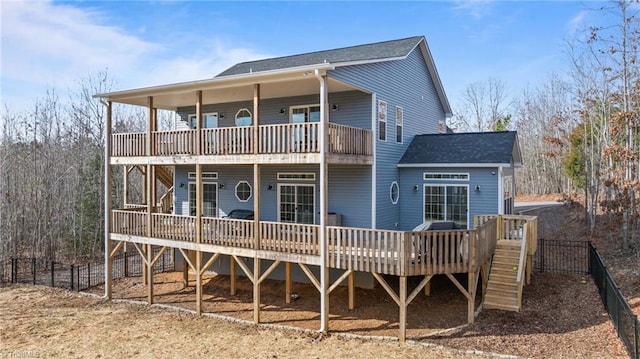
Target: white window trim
{"points": [[193, 115], [382, 118], [250, 191], [308, 107], [235, 122], [391, 192], [296, 184], [206, 176], [426, 174], [195, 184], [294, 174], [445, 207], [401, 125]]}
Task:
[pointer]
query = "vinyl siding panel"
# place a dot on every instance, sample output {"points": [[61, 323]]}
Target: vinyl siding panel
{"points": [[354, 109], [405, 83], [349, 190], [483, 202]]}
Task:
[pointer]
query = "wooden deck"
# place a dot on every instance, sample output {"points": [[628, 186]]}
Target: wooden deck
{"points": [[230, 144], [378, 252], [368, 250]]}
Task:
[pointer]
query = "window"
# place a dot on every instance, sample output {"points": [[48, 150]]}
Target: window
{"points": [[446, 176], [243, 191], [382, 120], [296, 176], [394, 192], [243, 118], [446, 203], [306, 113], [209, 120], [205, 175], [399, 118], [209, 199]]}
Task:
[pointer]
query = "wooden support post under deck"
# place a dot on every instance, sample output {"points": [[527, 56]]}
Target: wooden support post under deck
{"points": [[198, 283], [472, 282], [427, 289], [352, 289], [256, 290], [108, 272], [185, 268], [403, 308], [287, 282], [150, 273], [232, 275]]}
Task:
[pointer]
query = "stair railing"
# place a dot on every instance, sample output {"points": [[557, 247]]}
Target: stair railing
{"points": [[522, 264]]}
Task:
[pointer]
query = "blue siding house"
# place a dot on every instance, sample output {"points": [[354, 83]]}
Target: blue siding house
{"points": [[323, 167]]}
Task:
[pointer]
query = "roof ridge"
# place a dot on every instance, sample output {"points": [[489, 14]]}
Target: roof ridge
{"points": [[329, 50]]}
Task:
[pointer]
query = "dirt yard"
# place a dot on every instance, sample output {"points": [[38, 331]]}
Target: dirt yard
{"points": [[562, 317]]}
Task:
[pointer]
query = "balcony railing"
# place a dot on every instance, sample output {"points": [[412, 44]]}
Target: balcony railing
{"points": [[272, 139], [361, 249]]}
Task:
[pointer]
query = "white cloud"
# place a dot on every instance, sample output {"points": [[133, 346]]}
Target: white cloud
{"points": [[45, 44], [577, 23], [477, 9]]}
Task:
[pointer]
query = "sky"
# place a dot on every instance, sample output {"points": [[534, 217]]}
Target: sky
{"points": [[55, 44]]}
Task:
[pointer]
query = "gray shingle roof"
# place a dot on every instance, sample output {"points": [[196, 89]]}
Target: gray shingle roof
{"points": [[368, 52], [468, 148]]}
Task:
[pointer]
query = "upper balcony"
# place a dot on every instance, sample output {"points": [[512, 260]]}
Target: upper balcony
{"points": [[280, 143]]}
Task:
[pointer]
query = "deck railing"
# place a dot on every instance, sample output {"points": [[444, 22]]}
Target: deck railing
{"points": [[173, 227], [290, 238], [350, 140], [368, 250], [128, 144], [289, 138], [168, 143], [133, 223], [228, 232], [360, 249], [272, 139], [439, 252], [227, 141]]}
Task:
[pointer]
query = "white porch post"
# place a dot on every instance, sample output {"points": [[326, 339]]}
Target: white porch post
{"points": [[324, 270], [108, 263]]}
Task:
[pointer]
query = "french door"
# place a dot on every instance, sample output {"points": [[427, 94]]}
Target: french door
{"points": [[296, 203], [447, 203], [209, 199]]}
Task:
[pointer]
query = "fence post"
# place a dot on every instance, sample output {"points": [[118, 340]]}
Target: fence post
{"points": [[541, 255], [71, 276], [88, 275], [126, 261], [33, 269], [78, 277], [12, 280], [52, 273], [635, 327]]}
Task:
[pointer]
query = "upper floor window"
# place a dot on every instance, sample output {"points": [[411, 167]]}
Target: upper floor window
{"points": [[446, 176], [399, 119], [382, 120], [243, 191], [306, 113], [243, 117], [209, 120]]}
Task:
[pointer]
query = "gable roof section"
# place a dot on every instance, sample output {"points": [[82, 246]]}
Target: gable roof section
{"points": [[475, 149], [362, 53], [348, 56]]}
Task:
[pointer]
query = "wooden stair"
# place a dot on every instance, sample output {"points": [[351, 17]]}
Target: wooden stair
{"points": [[164, 174], [503, 289]]}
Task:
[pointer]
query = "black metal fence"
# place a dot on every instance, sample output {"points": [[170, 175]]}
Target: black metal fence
{"points": [[562, 256], [623, 318], [77, 277]]}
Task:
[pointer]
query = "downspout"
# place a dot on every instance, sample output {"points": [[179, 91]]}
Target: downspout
{"points": [[500, 191], [107, 201], [323, 204]]}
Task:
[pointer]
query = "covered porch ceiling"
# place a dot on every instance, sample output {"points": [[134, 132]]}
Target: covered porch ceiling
{"points": [[228, 89]]}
